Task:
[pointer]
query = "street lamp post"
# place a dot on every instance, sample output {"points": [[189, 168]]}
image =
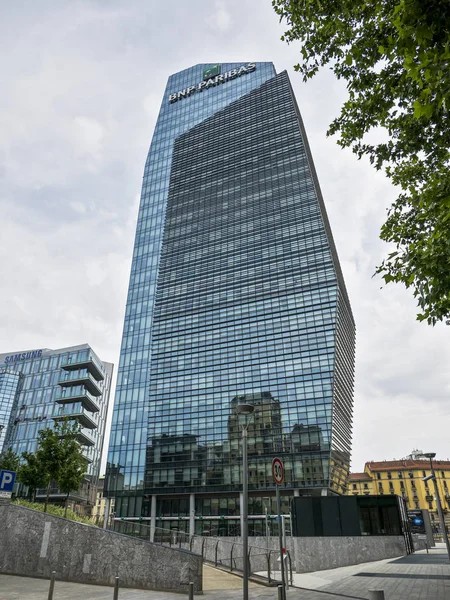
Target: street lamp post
{"points": [[430, 456], [246, 410]]}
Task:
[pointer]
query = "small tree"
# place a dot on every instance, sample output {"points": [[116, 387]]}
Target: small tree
{"points": [[58, 459], [31, 473], [49, 455], [59, 451], [9, 460], [71, 476]]}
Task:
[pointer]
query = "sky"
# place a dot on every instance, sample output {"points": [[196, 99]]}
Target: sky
{"points": [[82, 83]]}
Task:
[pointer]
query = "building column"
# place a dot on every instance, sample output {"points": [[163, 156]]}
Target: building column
{"points": [[191, 514], [241, 504], [153, 518], [106, 513]]}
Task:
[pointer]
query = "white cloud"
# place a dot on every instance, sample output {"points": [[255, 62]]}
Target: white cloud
{"points": [[222, 18], [88, 139], [78, 207]]}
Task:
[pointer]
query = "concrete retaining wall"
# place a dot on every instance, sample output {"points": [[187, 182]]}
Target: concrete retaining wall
{"points": [[321, 553], [35, 544], [307, 554], [420, 542]]}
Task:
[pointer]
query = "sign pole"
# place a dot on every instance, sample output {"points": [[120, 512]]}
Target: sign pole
{"points": [[280, 537]]}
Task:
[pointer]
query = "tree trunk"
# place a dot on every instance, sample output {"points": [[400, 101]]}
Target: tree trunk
{"points": [[65, 507], [47, 496]]}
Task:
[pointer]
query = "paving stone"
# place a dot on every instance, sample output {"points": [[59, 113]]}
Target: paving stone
{"points": [[415, 577]]}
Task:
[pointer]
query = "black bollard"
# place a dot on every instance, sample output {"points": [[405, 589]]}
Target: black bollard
{"points": [[116, 589], [52, 585]]}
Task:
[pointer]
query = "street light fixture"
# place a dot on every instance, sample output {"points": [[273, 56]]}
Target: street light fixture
{"points": [[430, 456], [245, 410]]}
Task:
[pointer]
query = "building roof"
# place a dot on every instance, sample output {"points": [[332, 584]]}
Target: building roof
{"points": [[404, 465], [360, 477]]}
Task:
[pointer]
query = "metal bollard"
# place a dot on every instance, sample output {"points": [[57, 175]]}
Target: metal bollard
{"points": [[116, 589], [376, 594], [191, 591], [280, 592], [52, 585]]}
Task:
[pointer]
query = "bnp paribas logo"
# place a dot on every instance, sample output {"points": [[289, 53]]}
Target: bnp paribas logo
{"points": [[210, 72], [211, 78]]}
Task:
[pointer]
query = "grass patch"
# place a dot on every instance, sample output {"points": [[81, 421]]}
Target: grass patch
{"points": [[57, 511]]}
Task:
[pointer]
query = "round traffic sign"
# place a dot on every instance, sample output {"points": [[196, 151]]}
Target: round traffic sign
{"points": [[278, 471]]}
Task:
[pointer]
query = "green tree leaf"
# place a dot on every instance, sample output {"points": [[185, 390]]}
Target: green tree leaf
{"points": [[394, 57], [58, 459], [9, 461], [32, 473]]}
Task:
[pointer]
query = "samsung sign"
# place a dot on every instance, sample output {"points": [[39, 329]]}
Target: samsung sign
{"points": [[23, 356], [211, 78]]}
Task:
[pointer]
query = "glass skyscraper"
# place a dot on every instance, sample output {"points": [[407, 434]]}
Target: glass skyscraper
{"points": [[40, 387], [236, 296]]}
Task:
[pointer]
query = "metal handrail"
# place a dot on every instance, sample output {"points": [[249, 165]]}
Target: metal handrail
{"points": [[231, 558], [291, 577], [268, 568], [178, 538], [215, 553]]}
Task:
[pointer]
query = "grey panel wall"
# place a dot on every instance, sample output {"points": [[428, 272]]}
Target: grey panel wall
{"points": [[34, 544], [307, 554]]}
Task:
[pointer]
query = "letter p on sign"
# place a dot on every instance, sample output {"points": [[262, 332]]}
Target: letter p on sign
{"points": [[7, 479]]}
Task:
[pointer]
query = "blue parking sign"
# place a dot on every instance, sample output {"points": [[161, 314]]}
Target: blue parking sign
{"points": [[7, 479]]}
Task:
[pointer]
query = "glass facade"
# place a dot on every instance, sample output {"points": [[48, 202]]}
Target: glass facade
{"points": [[237, 291], [10, 384], [52, 385]]}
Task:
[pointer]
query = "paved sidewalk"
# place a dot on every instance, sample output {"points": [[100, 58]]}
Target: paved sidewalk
{"points": [[419, 576], [26, 588]]}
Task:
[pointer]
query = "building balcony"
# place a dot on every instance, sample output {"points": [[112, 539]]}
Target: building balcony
{"points": [[78, 413], [87, 456], [77, 394], [76, 378], [85, 437], [57, 496], [94, 367]]}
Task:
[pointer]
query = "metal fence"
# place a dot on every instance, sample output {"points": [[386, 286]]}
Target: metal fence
{"points": [[227, 554]]}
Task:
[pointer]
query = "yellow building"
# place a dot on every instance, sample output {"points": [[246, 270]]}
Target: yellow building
{"points": [[404, 478], [98, 511]]}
